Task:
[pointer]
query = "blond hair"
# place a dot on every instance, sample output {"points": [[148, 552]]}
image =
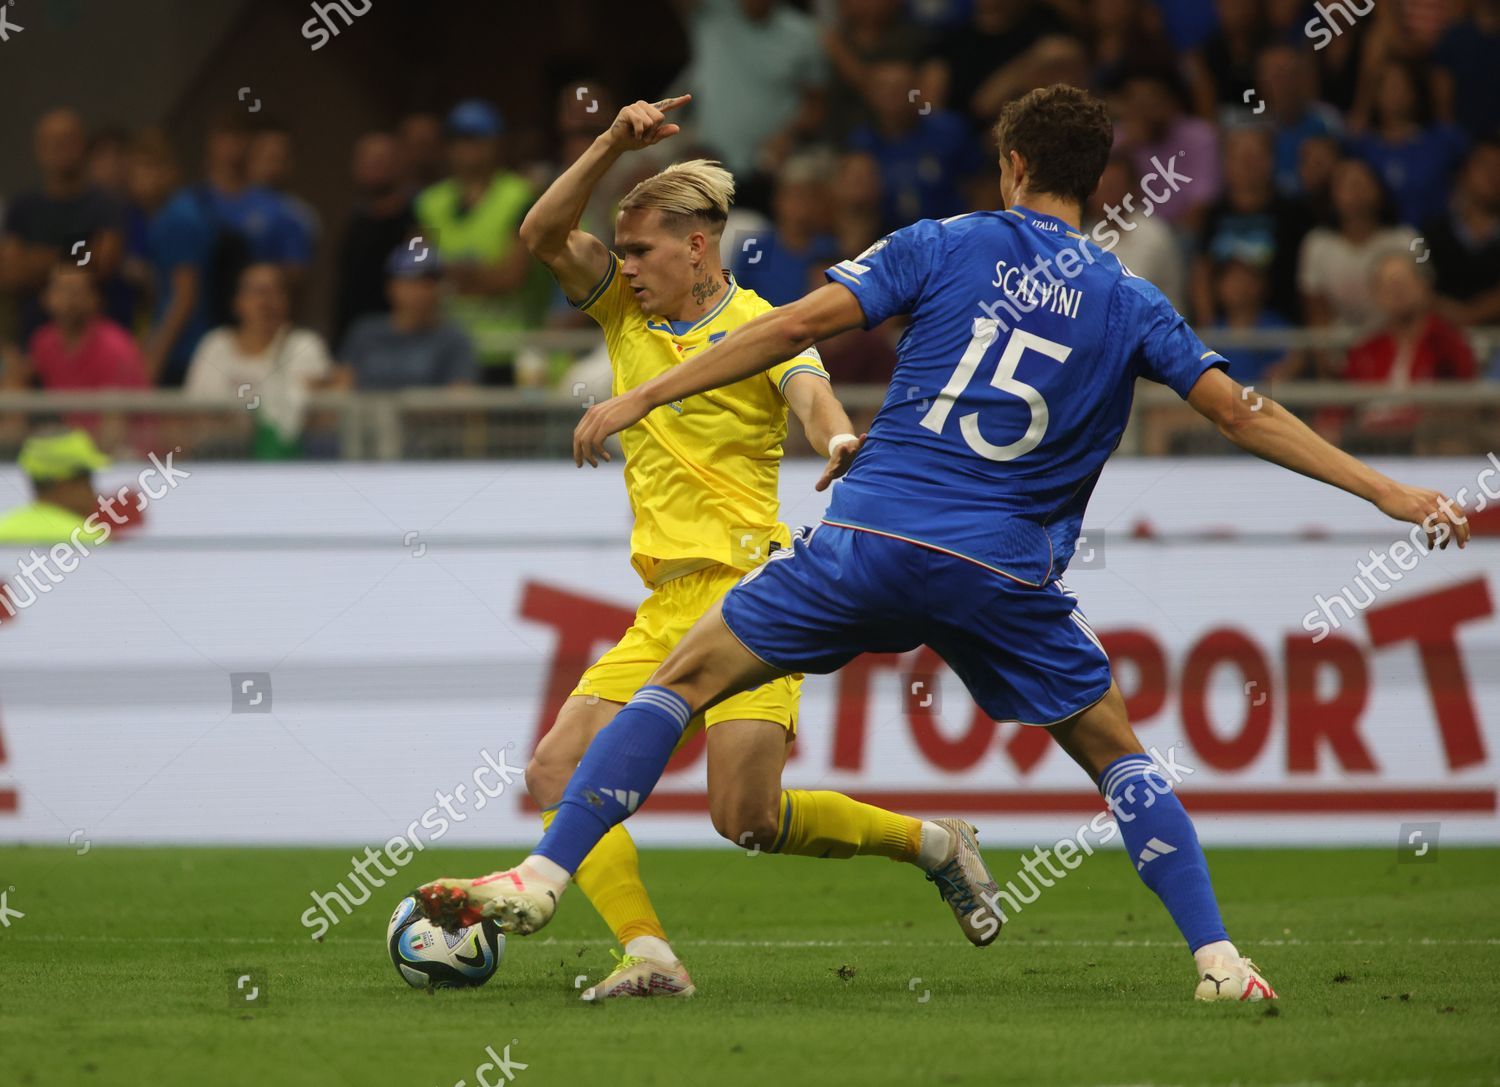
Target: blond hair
{"points": [[698, 189]]}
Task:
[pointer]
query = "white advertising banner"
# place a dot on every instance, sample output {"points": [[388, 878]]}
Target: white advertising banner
{"points": [[347, 653]]}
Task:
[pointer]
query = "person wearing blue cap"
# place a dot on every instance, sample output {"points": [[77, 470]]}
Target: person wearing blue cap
{"points": [[473, 219], [414, 345]]}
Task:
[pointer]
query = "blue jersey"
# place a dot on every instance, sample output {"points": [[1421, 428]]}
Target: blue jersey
{"points": [[1012, 387]]}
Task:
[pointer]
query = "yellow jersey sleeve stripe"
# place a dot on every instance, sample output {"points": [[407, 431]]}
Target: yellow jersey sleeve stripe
{"points": [[803, 368], [601, 286]]}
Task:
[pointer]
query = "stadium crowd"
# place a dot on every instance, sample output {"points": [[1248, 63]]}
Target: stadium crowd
{"points": [[1279, 164]]}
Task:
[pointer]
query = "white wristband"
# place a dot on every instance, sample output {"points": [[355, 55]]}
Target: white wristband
{"points": [[838, 440]]}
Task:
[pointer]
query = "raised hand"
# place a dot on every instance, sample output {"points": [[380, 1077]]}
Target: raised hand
{"points": [[642, 124]]}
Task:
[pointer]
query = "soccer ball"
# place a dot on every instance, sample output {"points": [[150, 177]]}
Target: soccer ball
{"points": [[427, 957]]}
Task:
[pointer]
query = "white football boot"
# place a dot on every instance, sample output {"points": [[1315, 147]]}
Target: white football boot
{"points": [[1223, 978], [964, 881], [517, 900], [634, 975]]}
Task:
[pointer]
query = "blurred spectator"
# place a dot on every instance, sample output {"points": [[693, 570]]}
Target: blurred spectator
{"points": [[1187, 23], [66, 219], [414, 345], [580, 119], [474, 219], [107, 162], [1414, 157], [1414, 343], [1341, 65], [1056, 58], [1240, 292], [757, 70], [1285, 78], [13, 373], [1336, 262], [1000, 32], [1466, 72], [1162, 139], [776, 263], [857, 215], [108, 171], [1416, 25], [1413, 346], [1224, 67], [267, 225], [866, 31], [859, 357], [423, 158], [264, 362], [271, 163], [1127, 40], [382, 219], [1251, 223], [1317, 159], [1144, 244], [178, 251], [923, 158], [60, 467], [79, 349], [1465, 242]]}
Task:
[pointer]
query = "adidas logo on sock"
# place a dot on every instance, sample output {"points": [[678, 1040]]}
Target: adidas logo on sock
{"points": [[1154, 848], [628, 797]]}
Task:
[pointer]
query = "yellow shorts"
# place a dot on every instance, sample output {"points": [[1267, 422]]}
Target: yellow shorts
{"points": [[660, 623]]}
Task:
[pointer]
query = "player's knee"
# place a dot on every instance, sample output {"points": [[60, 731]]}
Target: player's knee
{"points": [[749, 825]]}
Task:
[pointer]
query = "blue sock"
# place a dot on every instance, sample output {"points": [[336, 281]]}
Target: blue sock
{"points": [[1163, 846], [616, 775]]}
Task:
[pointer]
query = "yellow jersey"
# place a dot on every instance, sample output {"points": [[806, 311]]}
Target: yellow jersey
{"points": [[701, 473]]}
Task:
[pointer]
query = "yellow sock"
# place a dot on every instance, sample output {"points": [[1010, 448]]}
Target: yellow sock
{"points": [[610, 878], [826, 824]]}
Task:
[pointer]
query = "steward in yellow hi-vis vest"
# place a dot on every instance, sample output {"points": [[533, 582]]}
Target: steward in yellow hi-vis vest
{"points": [[60, 468]]}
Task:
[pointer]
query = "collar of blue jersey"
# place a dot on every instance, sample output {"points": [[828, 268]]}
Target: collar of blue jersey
{"points": [[1022, 212], [682, 328]]}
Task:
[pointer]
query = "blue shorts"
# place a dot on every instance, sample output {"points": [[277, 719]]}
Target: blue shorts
{"points": [[1026, 654]]}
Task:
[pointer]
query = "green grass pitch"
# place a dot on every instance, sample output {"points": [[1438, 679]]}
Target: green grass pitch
{"points": [[809, 972]]}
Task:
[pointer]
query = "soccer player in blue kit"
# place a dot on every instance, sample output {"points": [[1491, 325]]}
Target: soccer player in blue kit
{"points": [[958, 516]]}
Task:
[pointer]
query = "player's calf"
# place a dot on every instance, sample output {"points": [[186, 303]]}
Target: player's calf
{"points": [[557, 753], [1160, 841]]}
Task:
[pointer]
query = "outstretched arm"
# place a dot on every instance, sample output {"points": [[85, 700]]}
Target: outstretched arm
{"points": [[755, 346], [1259, 425], [550, 230], [824, 421]]}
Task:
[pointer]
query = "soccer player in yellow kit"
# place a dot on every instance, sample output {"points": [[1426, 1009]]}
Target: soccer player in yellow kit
{"points": [[702, 480]]}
